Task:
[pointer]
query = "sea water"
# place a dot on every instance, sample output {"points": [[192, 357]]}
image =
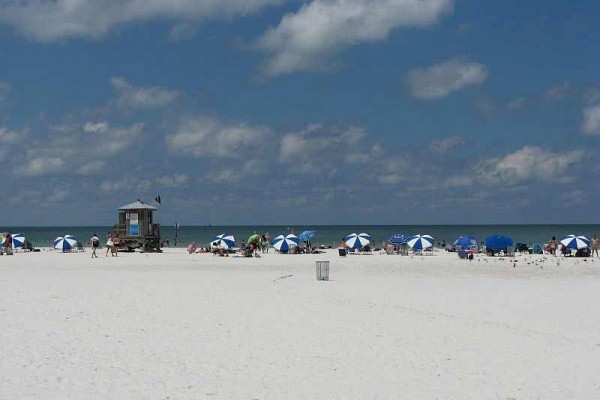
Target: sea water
{"points": [[326, 235]]}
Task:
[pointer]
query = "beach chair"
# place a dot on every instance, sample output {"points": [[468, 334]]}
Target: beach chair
{"points": [[389, 249], [342, 252]]}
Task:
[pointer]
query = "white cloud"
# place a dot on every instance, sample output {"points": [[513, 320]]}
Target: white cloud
{"points": [[209, 137], [319, 148], [95, 127], [308, 38], [558, 92], [442, 79], [41, 166], [51, 20], [183, 31], [529, 163], [446, 145], [591, 120], [8, 137], [173, 181], [74, 151], [131, 97]]}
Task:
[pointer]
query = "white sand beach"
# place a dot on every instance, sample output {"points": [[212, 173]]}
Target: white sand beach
{"points": [[180, 326]]}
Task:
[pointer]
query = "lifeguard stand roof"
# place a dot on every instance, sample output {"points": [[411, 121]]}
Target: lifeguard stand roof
{"points": [[137, 205]]}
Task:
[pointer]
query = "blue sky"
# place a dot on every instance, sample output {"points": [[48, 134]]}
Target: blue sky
{"points": [[311, 112]]}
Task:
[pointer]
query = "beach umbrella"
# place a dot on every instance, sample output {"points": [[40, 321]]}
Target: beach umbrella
{"points": [[18, 240], [224, 241], [498, 242], [575, 242], [285, 242], [420, 242], [465, 242], [64, 242], [357, 240], [398, 239], [254, 239], [306, 235]]}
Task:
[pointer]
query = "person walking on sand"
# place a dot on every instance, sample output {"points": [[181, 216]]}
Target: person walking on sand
{"points": [[95, 245], [109, 244], [595, 245]]}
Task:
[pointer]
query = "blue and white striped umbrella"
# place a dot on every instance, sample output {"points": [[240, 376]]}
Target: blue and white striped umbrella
{"points": [[420, 242], [398, 239], [575, 242], [64, 243], [224, 241], [18, 240], [285, 242], [357, 240]]}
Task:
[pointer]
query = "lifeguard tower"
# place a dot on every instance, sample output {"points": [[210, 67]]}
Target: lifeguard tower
{"points": [[136, 228]]}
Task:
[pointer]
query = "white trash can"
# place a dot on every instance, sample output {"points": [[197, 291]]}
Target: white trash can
{"points": [[322, 270]]}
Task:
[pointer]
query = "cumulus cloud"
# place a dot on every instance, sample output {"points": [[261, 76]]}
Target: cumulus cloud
{"points": [[442, 79], [73, 151], [131, 97], [318, 148], [591, 120], [210, 137], [528, 163], [51, 20], [306, 39]]}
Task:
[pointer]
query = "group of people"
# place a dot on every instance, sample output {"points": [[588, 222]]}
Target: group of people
{"points": [[112, 244], [552, 247]]}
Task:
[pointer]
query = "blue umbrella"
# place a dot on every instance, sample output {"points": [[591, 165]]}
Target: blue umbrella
{"points": [[465, 242], [357, 240], [306, 235], [498, 242], [284, 243], [398, 239], [223, 241], [420, 242], [572, 242]]}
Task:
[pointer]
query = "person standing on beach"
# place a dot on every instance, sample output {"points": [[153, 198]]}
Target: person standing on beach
{"points": [[95, 245], [595, 245], [552, 245], [8, 244]]}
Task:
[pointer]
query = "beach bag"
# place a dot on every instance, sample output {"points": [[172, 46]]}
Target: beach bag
{"points": [[109, 243]]}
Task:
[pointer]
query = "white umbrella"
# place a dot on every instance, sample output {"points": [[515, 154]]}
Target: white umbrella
{"points": [[357, 240], [575, 242], [285, 242], [420, 242], [65, 243]]}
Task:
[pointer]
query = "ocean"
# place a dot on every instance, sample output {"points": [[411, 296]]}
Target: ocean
{"points": [[327, 235]]}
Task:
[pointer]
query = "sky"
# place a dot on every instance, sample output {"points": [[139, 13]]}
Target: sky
{"points": [[258, 112]]}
